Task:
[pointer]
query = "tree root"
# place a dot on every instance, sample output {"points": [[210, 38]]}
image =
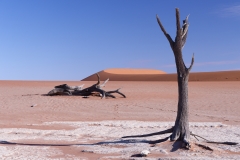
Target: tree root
{"points": [[186, 144], [227, 143]]}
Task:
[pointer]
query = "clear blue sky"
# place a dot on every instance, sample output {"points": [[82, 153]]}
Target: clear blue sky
{"points": [[72, 39]]}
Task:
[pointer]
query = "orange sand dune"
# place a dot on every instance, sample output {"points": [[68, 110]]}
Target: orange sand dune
{"points": [[127, 75], [133, 71], [157, 75]]}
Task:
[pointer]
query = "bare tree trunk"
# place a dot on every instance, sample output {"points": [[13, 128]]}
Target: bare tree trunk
{"points": [[181, 127]]}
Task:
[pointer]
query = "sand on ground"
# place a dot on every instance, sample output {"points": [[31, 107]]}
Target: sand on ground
{"points": [[72, 127]]}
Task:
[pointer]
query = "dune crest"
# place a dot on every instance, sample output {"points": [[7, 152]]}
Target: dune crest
{"points": [[133, 71], [125, 74], [158, 75]]}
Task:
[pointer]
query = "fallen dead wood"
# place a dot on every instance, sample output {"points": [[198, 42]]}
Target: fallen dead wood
{"points": [[94, 90]]}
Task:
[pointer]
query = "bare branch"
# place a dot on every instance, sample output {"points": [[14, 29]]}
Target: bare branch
{"points": [[165, 33], [67, 87], [80, 87], [102, 92], [116, 91], [185, 26], [77, 87], [184, 39], [63, 86], [178, 23], [59, 91], [103, 85], [185, 31], [98, 79], [191, 63], [110, 95]]}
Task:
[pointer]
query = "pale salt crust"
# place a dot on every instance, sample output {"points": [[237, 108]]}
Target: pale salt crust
{"points": [[104, 137]]}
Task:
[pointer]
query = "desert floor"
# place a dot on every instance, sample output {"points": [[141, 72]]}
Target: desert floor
{"points": [[64, 127]]}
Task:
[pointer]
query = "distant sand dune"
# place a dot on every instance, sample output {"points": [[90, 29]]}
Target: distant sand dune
{"points": [[133, 71], [158, 75]]}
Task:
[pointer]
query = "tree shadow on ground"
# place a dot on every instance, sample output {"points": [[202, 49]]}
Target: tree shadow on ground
{"points": [[37, 144], [98, 143], [81, 144], [176, 145], [134, 141]]}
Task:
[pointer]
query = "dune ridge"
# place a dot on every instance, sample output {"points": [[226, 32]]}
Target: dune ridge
{"points": [[158, 75], [133, 71]]}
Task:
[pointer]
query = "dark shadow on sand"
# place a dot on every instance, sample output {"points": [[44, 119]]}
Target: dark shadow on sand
{"points": [[176, 145], [37, 144], [81, 144]]}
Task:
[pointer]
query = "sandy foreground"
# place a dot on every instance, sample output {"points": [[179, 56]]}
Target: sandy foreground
{"points": [[64, 127]]}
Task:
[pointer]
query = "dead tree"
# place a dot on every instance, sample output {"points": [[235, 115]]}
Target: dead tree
{"points": [[181, 127], [95, 90], [180, 131]]}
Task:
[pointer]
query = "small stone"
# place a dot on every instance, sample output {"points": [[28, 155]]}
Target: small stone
{"points": [[163, 151], [144, 153], [34, 105]]}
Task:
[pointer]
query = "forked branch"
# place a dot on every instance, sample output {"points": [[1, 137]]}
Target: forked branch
{"points": [[115, 91], [164, 32], [98, 80], [189, 69]]}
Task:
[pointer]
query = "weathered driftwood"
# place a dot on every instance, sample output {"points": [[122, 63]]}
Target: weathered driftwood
{"points": [[95, 90]]}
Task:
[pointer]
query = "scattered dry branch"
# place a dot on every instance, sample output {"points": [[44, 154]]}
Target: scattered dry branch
{"points": [[95, 90]]}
